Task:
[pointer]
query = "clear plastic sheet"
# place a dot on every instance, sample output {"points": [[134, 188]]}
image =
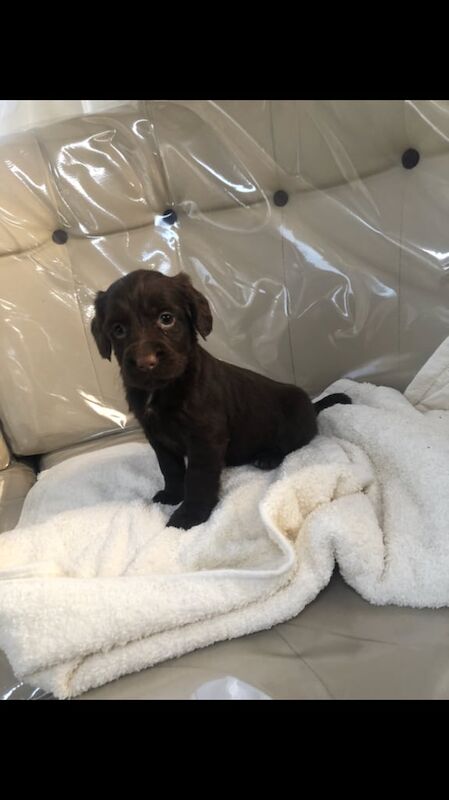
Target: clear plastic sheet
{"points": [[228, 688], [320, 244], [21, 691], [13, 689], [316, 229]]}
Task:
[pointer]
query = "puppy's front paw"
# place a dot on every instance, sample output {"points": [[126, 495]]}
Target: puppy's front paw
{"points": [[169, 498], [186, 518]]}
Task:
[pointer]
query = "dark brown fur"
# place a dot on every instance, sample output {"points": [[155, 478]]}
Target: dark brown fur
{"points": [[190, 403]]}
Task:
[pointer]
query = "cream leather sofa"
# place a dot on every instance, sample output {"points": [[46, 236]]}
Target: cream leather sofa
{"points": [[319, 232]]}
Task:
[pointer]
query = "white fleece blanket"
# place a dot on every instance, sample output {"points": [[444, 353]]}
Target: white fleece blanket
{"points": [[94, 586]]}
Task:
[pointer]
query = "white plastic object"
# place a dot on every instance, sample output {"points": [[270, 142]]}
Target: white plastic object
{"points": [[228, 688]]}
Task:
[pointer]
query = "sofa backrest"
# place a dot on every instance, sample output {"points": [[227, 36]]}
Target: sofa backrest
{"points": [[317, 229]]}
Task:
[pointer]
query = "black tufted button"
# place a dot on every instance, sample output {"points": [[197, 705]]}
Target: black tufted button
{"points": [[170, 216], [59, 237], [410, 158], [280, 198]]}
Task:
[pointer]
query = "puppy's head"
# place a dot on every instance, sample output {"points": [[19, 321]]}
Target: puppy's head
{"points": [[150, 322]]}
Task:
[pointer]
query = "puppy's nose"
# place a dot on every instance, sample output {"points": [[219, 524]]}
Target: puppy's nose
{"points": [[148, 361]]}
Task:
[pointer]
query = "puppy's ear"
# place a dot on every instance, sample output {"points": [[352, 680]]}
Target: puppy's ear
{"points": [[197, 306], [97, 326]]}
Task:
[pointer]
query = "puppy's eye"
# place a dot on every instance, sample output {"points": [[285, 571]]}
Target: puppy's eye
{"points": [[118, 331], [166, 319]]}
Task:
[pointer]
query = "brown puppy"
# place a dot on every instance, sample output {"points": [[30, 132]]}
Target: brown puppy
{"points": [[190, 403]]}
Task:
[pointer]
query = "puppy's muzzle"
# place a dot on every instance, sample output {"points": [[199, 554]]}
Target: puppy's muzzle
{"points": [[144, 362]]}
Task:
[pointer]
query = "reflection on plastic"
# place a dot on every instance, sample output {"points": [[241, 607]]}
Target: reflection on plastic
{"points": [[21, 691], [228, 688]]}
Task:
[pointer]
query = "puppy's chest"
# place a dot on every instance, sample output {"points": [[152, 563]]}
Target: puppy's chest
{"points": [[165, 425]]}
